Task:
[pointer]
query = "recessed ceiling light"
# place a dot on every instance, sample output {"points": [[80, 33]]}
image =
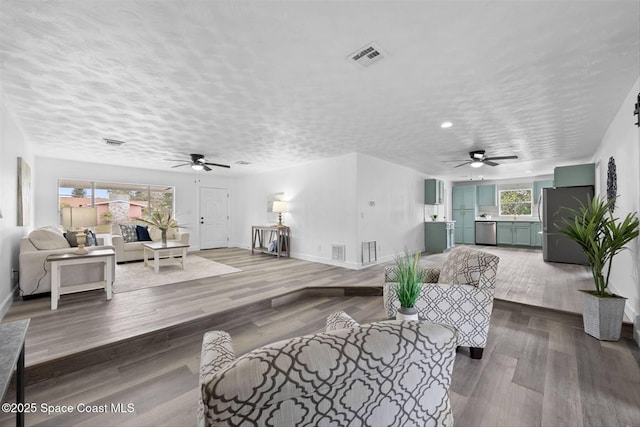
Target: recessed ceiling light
{"points": [[446, 125], [527, 171]]}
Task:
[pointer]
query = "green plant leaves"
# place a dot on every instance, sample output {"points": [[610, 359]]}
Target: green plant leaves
{"points": [[409, 277]]}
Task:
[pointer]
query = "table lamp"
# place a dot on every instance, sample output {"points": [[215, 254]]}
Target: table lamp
{"points": [[280, 207], [76, 219]]}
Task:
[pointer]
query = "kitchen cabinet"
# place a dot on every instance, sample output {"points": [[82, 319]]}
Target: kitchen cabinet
{"points": [[464, 197], [433, 192], [487, 195], [464, 213], [514, 233], [438, 236], [536, 236], [575, 175], [538, 186]]}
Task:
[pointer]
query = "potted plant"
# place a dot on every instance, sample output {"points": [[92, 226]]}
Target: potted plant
{"points": [[601, 236], [409, 277], [162, 220]]}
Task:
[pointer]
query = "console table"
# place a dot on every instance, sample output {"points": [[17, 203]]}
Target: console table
{"points": [[262, 235], [105, 256], [12, 335]]}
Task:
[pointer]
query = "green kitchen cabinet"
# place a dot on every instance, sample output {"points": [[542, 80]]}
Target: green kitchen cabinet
{"points": [[504, 233], [536, 235], [513, 233], [464, 197], [465, 231], [575, 175], [437, 236], [538, 186], [487, 195], [433, 192]]}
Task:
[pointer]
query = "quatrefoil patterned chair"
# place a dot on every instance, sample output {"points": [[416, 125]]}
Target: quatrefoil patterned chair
{"points": [[459, 294], [390, 373]]}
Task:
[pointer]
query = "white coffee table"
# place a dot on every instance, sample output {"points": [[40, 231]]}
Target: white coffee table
{"points": [[169, 250], [105, 256]]}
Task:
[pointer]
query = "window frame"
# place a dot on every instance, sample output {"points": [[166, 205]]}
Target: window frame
{"points": [[530, 203]]}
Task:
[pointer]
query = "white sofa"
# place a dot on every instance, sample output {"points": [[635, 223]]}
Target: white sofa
{"points": [[393, 373], [133, 251], [35, 270]]}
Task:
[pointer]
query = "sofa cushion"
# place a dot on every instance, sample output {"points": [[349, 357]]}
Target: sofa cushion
{"points": [[462, 267], [128, 232], [133, 246], [340, 320], [143, 233], [47, 239]]}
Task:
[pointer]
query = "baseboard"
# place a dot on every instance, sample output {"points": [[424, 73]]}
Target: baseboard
{"points": [[6, 303], [631, 314]]}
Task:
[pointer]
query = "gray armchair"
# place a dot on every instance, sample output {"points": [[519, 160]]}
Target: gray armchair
{"points": [[459, 294], [385, 373]]}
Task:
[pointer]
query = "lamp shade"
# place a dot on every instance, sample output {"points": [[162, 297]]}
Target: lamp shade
{"points": [[79, 217], [280, 206]]}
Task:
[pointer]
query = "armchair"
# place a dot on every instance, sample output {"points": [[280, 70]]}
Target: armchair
{"points": [[385, 373], [459, 294]]}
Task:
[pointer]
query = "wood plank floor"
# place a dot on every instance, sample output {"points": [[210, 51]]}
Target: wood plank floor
{"points": [[539, 369]]}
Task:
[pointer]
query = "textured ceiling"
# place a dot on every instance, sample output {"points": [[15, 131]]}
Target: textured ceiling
{"points": [[269, 83]]}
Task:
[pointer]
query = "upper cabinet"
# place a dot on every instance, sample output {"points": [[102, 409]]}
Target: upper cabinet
{"points": [[575, 175], [538, 186], [433, 192], [487, 195], [464, 197]]}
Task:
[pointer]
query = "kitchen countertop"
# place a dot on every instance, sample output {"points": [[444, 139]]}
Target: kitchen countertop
{"points": [[507, 220]]}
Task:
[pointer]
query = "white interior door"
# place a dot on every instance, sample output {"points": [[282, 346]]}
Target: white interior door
{"points": [[214, 218]]}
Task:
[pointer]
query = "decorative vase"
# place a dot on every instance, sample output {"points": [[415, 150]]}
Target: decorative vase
{"points": [[164, 236], [407, 313], [602, 316]]}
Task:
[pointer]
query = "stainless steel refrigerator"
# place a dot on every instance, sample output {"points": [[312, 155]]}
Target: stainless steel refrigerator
{"points": [[556, 247]]}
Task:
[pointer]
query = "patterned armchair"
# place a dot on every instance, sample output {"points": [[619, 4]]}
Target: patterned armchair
{"points": [[385, 373], [459, 294]]}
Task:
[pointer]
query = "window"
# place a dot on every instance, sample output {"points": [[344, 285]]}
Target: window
{"points": [[116, 202], [515, 202]]}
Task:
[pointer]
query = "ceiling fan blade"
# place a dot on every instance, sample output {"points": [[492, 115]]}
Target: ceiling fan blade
{"points": [[451, 161], [462, 164], [174, 160], [217, 164], [181, 164], [205, 167], [501, 158], [490, 163]]}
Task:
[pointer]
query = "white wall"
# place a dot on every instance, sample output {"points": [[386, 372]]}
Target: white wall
{"points": [[390, 206], [12, 145], [322, 207], [622, 141], [47, 171]]}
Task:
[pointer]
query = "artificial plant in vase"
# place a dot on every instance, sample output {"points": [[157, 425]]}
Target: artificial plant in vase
{"points": [[409, 277], [162, 220], [601, 236]]}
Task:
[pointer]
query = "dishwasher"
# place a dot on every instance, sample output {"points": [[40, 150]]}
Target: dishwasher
{"points": [[486, 233]]}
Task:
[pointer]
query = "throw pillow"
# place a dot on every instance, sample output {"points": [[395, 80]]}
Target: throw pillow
{"points": [[71, 238], [143, 233], [92, 240], [462, 267], [44, 239], [128, 232]]}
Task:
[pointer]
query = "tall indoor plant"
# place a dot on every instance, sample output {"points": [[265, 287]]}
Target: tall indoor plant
{"points": [[601, 236], [409, 276], [162, 220]]}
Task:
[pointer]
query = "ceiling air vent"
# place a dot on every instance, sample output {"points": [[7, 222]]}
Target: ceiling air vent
{"points": [[113, 141], [366, 55]]}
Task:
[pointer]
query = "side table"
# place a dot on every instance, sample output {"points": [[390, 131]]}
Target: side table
{"points": [[12, 336], [105, 256]]}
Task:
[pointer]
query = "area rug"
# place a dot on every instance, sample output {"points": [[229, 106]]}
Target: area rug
{"points": [[134, 276]]}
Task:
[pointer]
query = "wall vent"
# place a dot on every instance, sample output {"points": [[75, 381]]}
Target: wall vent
{"points": [[369, 252], [338, 252], [366, 55], [115, 142]]}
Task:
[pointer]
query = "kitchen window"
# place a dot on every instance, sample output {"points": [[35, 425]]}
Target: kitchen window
{"points": [[516, 202]]}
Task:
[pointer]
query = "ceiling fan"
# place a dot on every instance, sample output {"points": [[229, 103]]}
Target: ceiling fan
{"points": [[197, 162], [478, 158]]}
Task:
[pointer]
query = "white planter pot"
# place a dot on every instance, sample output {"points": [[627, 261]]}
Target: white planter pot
{"points": [[602, 316], [407, 313]]}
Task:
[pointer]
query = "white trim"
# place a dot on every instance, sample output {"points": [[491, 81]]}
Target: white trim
{"points": [[6, 304]]}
